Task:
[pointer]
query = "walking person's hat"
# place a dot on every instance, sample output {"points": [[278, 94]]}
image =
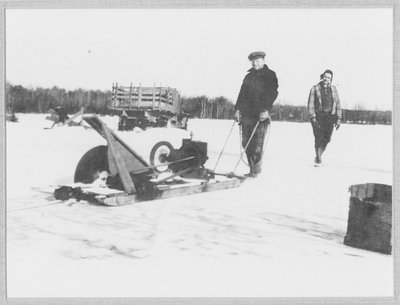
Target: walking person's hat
{"points": [[326, 71]]}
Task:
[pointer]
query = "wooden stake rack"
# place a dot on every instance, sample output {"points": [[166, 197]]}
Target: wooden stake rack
{"points": [[149, 98]]}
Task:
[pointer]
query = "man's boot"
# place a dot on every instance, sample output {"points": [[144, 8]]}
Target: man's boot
{"points": [[318, 154], [323, 149], [254, 168]]}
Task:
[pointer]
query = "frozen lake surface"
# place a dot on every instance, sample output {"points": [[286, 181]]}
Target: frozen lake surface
{"points": [[280, 235]]}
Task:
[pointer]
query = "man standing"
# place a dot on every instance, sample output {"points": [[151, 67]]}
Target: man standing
{"points": [[325, 113], [256, 96]]}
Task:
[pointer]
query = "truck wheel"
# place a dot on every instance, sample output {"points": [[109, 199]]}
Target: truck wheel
{"points": [[159, 155], [92, 164]]}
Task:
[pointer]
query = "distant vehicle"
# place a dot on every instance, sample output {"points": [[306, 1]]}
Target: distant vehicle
{"points": [[147, 107]]}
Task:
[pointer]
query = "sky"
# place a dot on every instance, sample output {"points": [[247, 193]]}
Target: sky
{"points": [[204, 51]]}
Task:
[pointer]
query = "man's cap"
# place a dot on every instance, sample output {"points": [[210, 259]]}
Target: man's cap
{"points": [[257, 54]]}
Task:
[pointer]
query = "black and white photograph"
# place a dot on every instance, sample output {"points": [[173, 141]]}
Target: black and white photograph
{"points": [[199, 152]]}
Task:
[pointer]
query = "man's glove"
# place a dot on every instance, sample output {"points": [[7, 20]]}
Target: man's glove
{"points": [[237, 116], [314, 122], [265, 116], [337, 124]]}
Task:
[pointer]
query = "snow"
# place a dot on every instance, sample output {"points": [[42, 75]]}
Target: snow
{"points": [[280, 235]]}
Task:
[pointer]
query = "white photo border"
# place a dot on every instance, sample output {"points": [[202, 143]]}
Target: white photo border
{"points": [[176, 4]]}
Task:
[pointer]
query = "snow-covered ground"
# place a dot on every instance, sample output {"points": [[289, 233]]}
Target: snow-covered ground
{"points": [[280, 235]]}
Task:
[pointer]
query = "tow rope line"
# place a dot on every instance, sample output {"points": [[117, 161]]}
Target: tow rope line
{"points": [[242, 151], [247, 145], [264, 145], [34, 207], [223, 148]]}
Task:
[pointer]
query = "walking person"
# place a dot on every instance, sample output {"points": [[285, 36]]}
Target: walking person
{"points": [[257, 94], [325, 113]]}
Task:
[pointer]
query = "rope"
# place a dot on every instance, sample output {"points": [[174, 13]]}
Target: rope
{"points": [[264, 146], [266, 138], [247, 144], [223, 148], [241, 147], [34, 207]]}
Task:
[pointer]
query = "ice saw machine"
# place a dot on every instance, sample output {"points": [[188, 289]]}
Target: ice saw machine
{"points": [[116, 174]]}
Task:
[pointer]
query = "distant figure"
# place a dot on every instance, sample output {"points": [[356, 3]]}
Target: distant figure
{"points": [[58, 115], [62, 114], [325, 113], [256, 96], [11, 117]]}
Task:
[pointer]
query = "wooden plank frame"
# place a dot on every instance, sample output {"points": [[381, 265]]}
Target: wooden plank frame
{"points": [[117, 200]]}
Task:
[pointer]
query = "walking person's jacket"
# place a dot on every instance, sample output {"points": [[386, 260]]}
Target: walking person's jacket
{"points": [[315, 102]]}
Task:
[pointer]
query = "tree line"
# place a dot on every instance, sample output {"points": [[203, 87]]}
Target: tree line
{"points": [[206, 108], [351, 116], [40, 100]]}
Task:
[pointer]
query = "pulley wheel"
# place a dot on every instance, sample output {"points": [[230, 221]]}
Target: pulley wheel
{"points": [[92, 164], [159, 155]]}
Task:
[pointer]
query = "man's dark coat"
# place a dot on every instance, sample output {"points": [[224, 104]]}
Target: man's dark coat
{"points": [[258, 92]]}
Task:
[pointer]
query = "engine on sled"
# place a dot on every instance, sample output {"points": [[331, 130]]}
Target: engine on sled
{"points": [[188, 160]]}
